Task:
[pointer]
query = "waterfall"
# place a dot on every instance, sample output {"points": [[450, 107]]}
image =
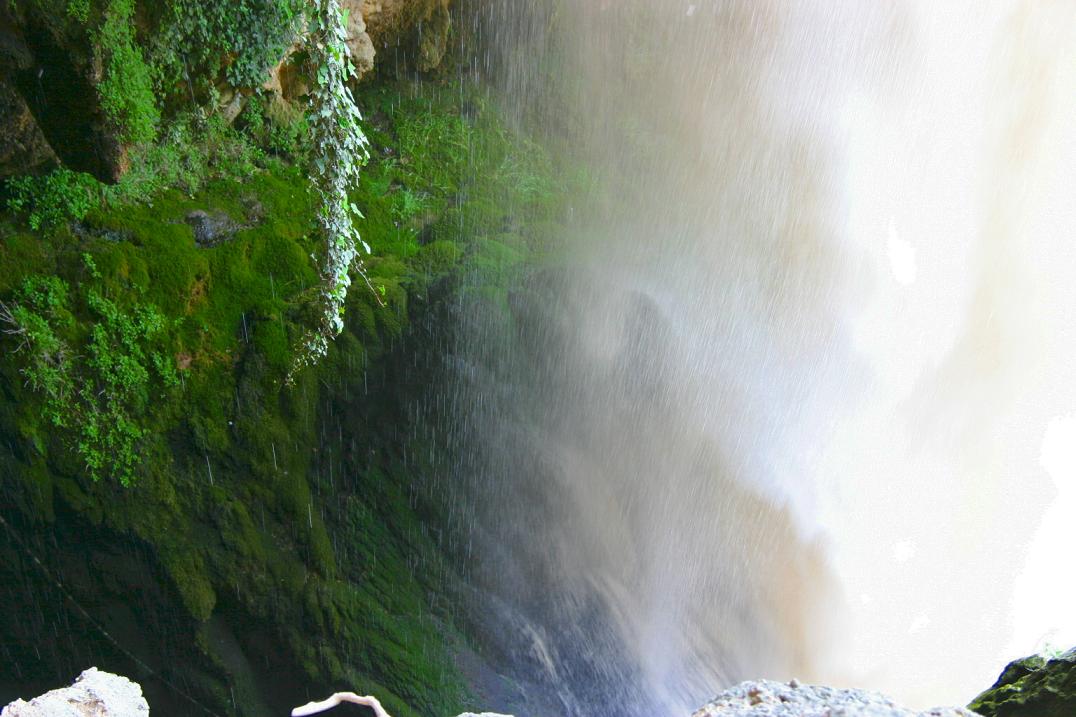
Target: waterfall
{"points": [[794, 394]]}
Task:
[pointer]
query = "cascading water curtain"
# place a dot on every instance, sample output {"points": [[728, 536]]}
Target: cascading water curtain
{"points": [[794, 395]]}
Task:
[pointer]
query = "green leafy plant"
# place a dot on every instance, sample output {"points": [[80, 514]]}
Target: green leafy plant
{"points": [[193, 149], [91, 265], [279, 127], [408, 204], [435, 146], [78, 10], [35, 321], [245, 38], [98, 393], [126, 90], [340, 152], [115, 387], [54, 198]]}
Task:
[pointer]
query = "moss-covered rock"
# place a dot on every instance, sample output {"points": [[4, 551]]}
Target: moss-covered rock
{"points": [[269, 547], [1035, 686]]}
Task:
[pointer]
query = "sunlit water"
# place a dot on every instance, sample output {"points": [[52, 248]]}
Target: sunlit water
{"points": [[798, 396]]}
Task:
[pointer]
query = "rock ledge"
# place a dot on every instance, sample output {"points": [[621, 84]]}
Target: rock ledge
{"points": [[94, 694], [779, 699]]}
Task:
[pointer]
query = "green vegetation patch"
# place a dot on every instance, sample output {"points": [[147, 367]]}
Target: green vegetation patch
{"points": [[1036, 686], [243, 38], [152, 356], [126, 89], [95, 380]]}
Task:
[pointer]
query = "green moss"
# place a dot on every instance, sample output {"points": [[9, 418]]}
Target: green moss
{"points": [[188, 573], [284, 512], [438, 258], [126, 90], [22, 254], [1036, 686]]}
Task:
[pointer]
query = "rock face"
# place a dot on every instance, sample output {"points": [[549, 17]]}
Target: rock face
{"points": [[777, 699], [388, 21], [358, 40], [49, 64], [1035, 686], [423, 24], [22, 146], [94, 694]]}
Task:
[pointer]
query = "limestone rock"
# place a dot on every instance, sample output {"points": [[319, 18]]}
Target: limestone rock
{"points": [[287, 81], [94, 694], [22, 146], [778, 699], [358, 40], [1035, 686], [394, 22], [433, 38]]}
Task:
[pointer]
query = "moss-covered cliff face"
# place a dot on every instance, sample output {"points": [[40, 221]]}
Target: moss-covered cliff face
{"points": [[271, 542], [86, 82]]}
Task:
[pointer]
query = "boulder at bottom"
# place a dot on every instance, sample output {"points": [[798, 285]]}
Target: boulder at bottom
{"points": [[94, 694], [778, 699], [1035, 686]]}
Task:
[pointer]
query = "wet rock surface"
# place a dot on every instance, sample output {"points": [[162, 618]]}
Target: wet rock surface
{"points": [[211, 229], [94, 694], [22, 146], [779, 699], [1034, 686]]}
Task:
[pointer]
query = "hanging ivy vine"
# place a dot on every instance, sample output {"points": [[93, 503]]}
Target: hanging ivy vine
{"points": [[340, 151]]}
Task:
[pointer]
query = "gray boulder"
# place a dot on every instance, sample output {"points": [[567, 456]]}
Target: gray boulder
{"points": [[779, 699], [211, 230], [94, 694]]}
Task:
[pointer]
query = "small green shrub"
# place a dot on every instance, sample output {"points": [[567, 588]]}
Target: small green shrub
{"points": [[278, 127], [78, 10], [528, 171], [436, 146], [116, 386], [54, 198], [36, 320], [193, 150], [99, 392], [408, 204], [245, 38]]}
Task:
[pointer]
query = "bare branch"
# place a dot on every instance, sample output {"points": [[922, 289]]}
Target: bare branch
{"points": [[13, 327]]}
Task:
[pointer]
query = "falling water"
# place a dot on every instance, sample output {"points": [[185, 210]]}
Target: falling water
{"points": [[795, 392]]}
